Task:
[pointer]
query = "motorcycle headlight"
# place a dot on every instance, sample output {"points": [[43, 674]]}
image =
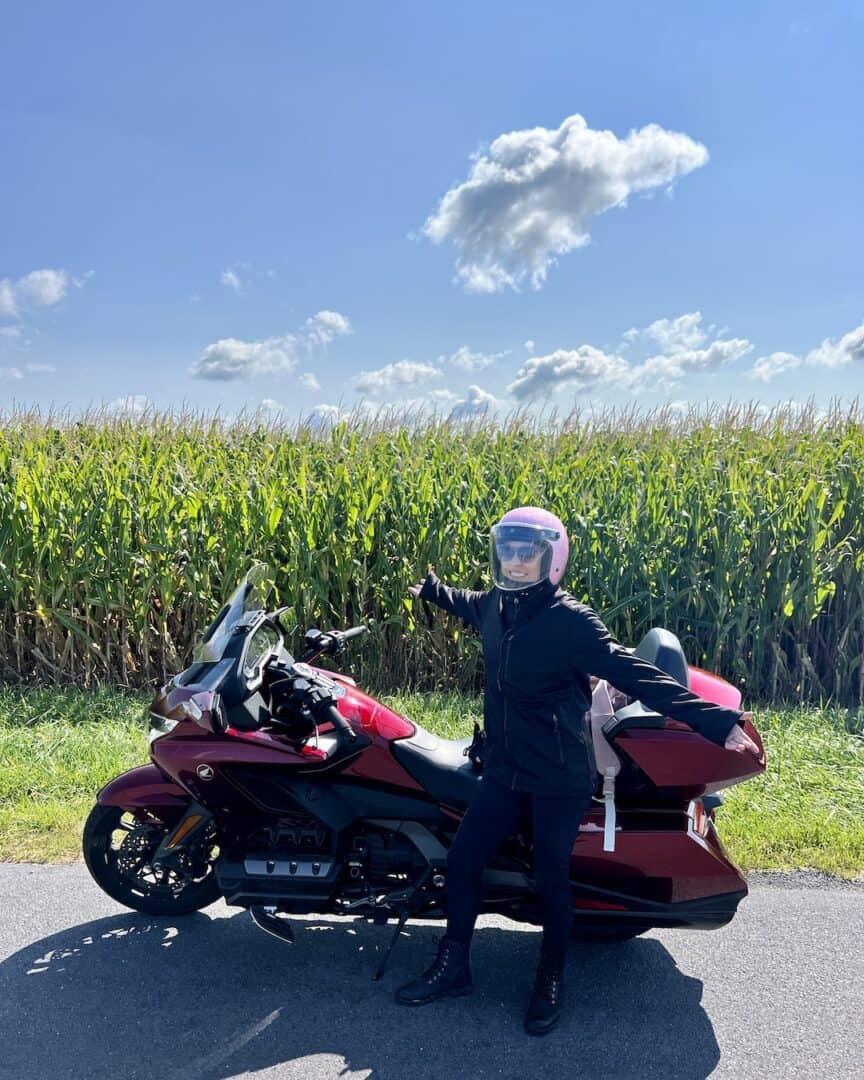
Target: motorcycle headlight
{"points": [[159, 725]]}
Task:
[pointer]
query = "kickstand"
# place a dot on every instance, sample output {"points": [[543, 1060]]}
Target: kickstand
{"points": [[403, 918]]}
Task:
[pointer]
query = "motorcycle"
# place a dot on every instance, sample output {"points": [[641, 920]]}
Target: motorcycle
{"points": [[285, 789]]}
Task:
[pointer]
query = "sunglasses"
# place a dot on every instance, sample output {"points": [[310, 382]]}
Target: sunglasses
{"points": [[509, 551]]}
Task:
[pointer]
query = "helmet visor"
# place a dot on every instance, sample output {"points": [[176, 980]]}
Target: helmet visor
{"points": [[521, 555]]}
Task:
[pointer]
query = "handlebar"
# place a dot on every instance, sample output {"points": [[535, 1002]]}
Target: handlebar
{"points": [[340, 724], [328, 643], [302, 689]]}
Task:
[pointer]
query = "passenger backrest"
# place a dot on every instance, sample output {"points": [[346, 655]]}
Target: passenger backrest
{"points": [[601, 711], [663, 649]]}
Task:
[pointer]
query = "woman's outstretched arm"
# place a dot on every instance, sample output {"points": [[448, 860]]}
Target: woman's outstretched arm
{"points": [[598, 652], [466, 604]]}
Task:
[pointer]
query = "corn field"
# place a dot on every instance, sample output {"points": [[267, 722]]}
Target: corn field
{"points": [[739, 531]]}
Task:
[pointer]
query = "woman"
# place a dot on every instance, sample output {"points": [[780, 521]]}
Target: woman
{"points": [[540, 647]]}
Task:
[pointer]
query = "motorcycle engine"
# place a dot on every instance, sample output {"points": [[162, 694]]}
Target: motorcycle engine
{"points": [[291, 835]]}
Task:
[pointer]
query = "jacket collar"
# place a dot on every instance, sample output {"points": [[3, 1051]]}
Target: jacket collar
{"points": [[531, 599]]}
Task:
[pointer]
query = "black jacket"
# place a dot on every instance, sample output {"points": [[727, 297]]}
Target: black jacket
{"points": [[540, 645]]}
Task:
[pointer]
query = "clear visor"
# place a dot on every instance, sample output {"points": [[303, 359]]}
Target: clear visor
{"points": [[521, 555]]}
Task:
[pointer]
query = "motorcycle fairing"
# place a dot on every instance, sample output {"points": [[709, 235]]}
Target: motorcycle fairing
{"points": [[141, 788], [683, 759]]}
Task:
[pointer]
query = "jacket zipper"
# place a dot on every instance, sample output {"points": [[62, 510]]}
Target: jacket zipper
{"points": [[506, 645], [505, 640], [502, 671], [558, 736]]}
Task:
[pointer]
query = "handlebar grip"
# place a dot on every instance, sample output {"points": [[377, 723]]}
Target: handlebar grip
{"points": [[339, 723], [355, 631]]}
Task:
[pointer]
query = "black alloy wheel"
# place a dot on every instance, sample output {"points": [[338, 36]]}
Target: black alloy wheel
{"points": [[118, 845]]}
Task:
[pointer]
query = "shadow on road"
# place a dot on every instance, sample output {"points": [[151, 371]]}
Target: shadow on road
{"points": [[203, 999]]}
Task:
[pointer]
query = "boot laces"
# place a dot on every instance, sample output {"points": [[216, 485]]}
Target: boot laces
{"points": [[441, 963], [548, 985]]}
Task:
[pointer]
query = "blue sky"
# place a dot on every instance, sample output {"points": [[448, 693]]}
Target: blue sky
{"points": [[477, 206]]}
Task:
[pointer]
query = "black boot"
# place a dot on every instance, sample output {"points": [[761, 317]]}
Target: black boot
{"points": [[449, 975], [544, 1008]]}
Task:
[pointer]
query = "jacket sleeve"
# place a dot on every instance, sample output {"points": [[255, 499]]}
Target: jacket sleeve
{"points": [[598, 653], [466, 604]]}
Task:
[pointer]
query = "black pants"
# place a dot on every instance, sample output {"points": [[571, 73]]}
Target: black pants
{"points": [[494, 813]]}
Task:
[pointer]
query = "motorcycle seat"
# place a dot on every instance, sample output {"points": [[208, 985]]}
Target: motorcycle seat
{"points": [[439, 766]]}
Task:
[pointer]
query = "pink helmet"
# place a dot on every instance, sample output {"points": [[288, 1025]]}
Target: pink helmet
{"points": [[526, 546]]}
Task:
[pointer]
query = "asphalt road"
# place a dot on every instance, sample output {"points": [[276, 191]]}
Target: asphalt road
{"points": [[91, 990]]}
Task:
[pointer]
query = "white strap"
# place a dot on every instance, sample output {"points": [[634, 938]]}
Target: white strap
{"points": [[608, 762], [609, 806]]}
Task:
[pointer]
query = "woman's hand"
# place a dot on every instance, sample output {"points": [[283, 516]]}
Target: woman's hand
{"points": [[415, 589], [738, 739]]}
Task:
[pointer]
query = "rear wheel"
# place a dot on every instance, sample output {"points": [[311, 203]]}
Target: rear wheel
{"points": [[118, 845]]}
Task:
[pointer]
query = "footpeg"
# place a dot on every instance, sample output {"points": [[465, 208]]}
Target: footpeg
{"points": [[266, 919]]}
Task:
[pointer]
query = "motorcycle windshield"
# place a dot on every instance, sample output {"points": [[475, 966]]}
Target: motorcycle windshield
{"points": [[250, 595]]}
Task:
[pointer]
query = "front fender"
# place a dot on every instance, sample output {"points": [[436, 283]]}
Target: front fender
{"points": [[143, 787]]}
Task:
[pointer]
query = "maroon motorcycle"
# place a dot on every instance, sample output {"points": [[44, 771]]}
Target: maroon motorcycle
{"points": [[286, 790]]}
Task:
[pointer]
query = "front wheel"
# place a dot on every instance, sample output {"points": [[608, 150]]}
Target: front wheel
{"points": [[118, 845]]}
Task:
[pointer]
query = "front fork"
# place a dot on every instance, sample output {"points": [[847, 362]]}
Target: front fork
{"points": [[182, 839]]}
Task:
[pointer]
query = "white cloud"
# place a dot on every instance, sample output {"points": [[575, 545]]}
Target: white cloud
{"points": [[431, 402], [10, 374], [230, 358], [394, 377], [229, 279], [685, 349], [834, 354], [478, 402], [8, 306], [326, 325], [490, 279], [40, 369], [830, 354], [308, 381], [39, 288], [233, 359], [324, 416], [676, 335], [131, 406], [470, 361], [269, 409], [582, 368], [531, 196], [441, 396], [789, 409], [767, 368], [671, 366], [528, 346], [13, 338]]}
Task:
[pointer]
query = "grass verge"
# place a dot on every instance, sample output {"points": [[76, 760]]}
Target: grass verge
{"points": [[57, 748]]}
